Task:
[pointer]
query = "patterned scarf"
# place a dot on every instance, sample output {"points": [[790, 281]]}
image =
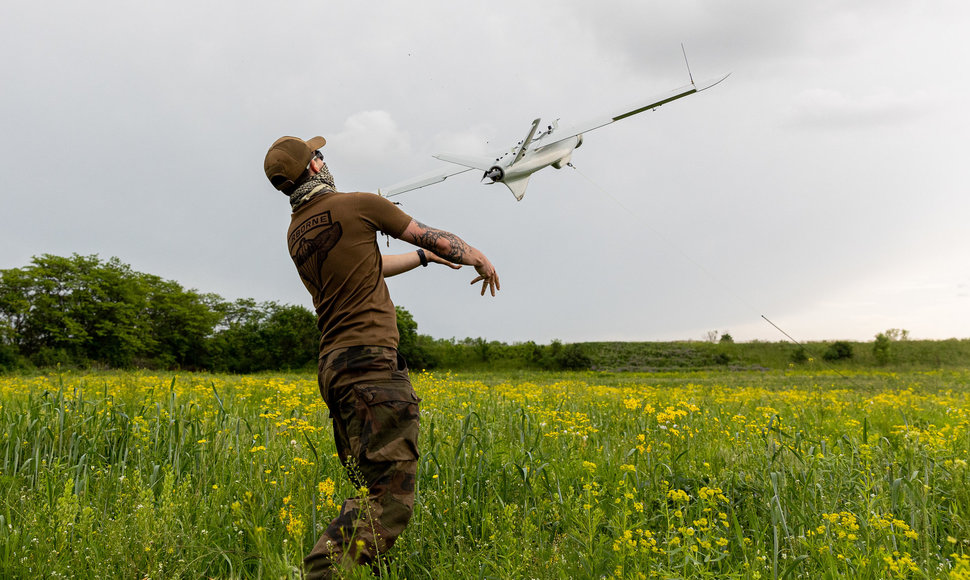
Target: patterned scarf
{"points": [[317, 184]]}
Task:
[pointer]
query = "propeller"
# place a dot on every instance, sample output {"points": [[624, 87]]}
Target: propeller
{"points": [[495, 174]]}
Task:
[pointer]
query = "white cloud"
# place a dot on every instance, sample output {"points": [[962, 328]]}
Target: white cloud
{"points": [[371, 135]]}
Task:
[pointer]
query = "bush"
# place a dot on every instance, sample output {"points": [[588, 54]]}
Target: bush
{"points": [[838, 350], [573, 357], [10, 358]]}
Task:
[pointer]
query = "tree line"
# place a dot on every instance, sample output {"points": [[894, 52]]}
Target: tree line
{"points": [[83, 311]]}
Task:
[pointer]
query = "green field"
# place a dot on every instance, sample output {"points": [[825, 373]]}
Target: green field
{"points": [[797, 473]]}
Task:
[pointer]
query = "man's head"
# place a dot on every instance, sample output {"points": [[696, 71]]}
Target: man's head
{"points": [[287, 160]]}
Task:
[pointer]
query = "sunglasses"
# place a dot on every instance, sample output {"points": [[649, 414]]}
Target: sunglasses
{"points": [[316, 155]]}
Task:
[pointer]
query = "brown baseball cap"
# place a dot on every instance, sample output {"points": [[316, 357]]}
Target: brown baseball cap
{"points": [[288, 158]]}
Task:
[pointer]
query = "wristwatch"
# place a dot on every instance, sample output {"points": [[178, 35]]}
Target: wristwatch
{"points": [[423, 257]]}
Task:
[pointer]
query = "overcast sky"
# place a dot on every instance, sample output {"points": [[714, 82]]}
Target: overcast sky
{"points": [[823, 185]]}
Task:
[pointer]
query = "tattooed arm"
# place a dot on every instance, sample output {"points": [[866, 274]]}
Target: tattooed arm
{"points": [[394, 264], [450, 247]]}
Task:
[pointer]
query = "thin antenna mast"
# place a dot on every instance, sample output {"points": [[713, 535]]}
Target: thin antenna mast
{"points": [[687, 62]]}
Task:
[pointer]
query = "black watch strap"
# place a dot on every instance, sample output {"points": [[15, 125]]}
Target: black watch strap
{"points": [[423, 257]]}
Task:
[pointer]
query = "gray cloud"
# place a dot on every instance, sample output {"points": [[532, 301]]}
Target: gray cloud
{"points": [[832, 156]]}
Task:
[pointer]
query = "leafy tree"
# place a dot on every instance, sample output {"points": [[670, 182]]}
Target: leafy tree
{"points": [[233, 346], [179, 324], [290, 336], [558, 356], [81, 307], [881, 348], [897, 334], [415, 348], [551, 354], [530, 353], [255, 336], [483, 348]]}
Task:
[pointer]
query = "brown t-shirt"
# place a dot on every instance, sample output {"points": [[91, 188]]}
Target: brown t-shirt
{"points": [[333, 242]]}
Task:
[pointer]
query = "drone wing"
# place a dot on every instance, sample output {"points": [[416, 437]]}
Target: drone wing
{"points": [[457, 164], [479, 163], [639, 107], [422, 181]]}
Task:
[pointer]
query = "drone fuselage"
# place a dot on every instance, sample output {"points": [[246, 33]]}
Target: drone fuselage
{"points": [[557, 155]]}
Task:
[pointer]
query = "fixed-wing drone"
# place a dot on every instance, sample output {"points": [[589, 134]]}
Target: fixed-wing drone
{"points": [[554, 146]]}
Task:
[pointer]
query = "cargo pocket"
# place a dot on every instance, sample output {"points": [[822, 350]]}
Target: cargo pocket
{"points": [[390, 421]]}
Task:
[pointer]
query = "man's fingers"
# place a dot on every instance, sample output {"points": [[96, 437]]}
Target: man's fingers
{"points": [[488, 282]]}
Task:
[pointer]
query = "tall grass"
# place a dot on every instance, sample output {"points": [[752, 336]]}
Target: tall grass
{"points": [[784, 474]]}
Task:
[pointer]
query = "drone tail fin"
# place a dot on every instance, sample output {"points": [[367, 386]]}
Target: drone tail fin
{"points": [[517, 186]]}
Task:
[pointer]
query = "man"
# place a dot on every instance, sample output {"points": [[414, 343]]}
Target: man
{"points": [[363, 379]]}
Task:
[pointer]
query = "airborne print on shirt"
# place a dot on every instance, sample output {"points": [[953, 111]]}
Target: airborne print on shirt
{"points": [[310, 243]]}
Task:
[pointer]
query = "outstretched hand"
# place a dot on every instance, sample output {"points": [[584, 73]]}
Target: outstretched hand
{"points": [[488, 277]]}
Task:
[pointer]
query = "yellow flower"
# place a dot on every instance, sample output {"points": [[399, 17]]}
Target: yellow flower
{"points": [[678, 495], [325, 487]]}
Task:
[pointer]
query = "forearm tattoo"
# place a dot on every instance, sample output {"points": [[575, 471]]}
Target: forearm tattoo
{"points": [[429, 241]]}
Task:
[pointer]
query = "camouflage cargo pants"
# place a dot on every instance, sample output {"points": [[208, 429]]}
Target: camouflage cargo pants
{"points": [[375, 426]]}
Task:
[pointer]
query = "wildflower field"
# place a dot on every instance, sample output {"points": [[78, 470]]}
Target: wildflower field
{"points": [[726, 474]]}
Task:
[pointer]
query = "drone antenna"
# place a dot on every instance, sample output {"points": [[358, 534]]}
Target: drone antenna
{"points": [[687, 63]]}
